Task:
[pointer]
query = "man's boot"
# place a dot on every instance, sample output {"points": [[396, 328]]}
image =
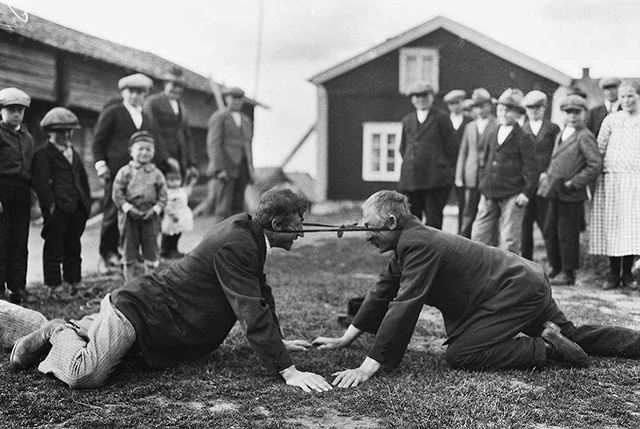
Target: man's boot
{"points": [[28, 349], [562, 349]]}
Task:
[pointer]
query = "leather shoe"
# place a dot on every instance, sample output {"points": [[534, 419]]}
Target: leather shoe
{"points": [[553, 273], [612, 282], [561, 348], [563, 279], [28, 349]]}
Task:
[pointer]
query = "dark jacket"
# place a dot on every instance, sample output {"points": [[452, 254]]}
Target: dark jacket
{"points": [[448, 272], [577, 159], [188, 310], [593, 119], [471, 147], [58, 182], [172, 133], [429, 152], [542, 143], [111, 136], [508, 169], [16, 152], [229, 145]]}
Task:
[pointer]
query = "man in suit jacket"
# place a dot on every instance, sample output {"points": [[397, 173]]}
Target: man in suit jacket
{"points": [[117, 122], [60, 181], [186, 311], [487, 297], [507, 178], [575, 163], [230, 154], [173, 141], [467, 166], [429, 148], [543, 135], [595, 116]]}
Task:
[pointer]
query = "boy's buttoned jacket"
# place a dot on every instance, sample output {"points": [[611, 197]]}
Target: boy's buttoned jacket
{"points": [[577, 159]]}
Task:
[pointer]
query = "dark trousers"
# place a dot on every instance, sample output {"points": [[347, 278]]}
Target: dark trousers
{"points": [[61, 233], [431, 202], [489, 340], [15, 195], [140, 235], [169, 243], [109, 234], [562, 234], [469, 210], [534, 212]]}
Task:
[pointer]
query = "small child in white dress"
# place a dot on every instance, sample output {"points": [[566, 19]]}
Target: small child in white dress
{"points": [[178, 217]]}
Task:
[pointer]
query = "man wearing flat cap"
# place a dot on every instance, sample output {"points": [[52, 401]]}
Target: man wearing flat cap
{"points": [[230, 153], [468, 163], [173, 141], [507, 178], [595, 116], [16, 154], [429, 148], [116, 124], [543, 135]]}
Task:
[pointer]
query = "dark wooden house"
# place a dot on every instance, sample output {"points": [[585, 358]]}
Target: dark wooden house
{"points": [[362, 100], [59, 66]]}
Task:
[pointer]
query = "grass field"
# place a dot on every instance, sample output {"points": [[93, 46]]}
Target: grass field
{"points": [[312, 284]]}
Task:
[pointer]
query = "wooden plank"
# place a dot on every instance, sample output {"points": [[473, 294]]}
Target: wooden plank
{"points": [[29, 68], [91, 83]]}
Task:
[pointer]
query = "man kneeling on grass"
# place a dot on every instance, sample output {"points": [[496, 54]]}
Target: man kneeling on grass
{"points": [[185, 311], [487, 297]]}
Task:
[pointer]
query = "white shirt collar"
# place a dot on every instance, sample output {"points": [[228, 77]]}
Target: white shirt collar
{"points": [[135, 112], [456, 120], [266, 240], [535, 126], [503, 133], [567, 132], [175, 106], [422, 115], [237, 118]]}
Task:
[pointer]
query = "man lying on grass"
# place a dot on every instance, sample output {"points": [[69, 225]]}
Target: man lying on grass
{"points": [[185, 311], [487, 297]]}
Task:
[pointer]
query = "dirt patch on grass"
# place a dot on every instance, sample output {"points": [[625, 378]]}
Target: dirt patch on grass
{"points": [[328, 418]]}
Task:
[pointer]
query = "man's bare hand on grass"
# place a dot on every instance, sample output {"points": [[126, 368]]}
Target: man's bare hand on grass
{"points": [[307, 381]]}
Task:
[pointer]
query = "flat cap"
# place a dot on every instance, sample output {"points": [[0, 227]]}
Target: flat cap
{"points": [[455, 96], [233, 90], [512, 97], [573, 101], [59, 118], [421, 88], [10, 96], [576, 90], [137, 80], [467, 104], [481, 96], [534, 98], [141, 136], [607, 82]]}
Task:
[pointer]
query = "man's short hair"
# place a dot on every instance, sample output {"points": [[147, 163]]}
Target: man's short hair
{"points": [[388, 203], [279, 203]]}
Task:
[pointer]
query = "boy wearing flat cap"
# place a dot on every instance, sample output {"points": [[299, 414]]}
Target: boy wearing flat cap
{"points": [[468, 162], [507, 178], [429, 148], [16, 154], [139, 193], [116, 124], [575, 163], [60, 181], [594, 117], [543, 135]]}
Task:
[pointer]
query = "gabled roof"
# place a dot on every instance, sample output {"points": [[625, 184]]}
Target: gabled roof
{"points": [[77, 42], [479, 39]]}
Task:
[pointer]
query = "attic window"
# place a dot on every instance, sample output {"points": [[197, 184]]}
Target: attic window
{"points": [[418, 65], [380, 151]]}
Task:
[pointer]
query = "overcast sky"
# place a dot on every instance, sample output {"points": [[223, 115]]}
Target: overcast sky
{"points": [[301, 38]]}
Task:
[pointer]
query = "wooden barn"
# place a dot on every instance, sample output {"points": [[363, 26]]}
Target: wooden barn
{"points": [[361, 101], [59, 66]]}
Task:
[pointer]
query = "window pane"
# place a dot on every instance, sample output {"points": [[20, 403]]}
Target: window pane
{"points": [[426, 68], [412, 69]]}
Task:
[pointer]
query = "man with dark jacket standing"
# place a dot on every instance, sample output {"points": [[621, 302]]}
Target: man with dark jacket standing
{"points": [[594, 117], [507, 178], [186, 311], [543, 135], [429, 149], [116, 124]]}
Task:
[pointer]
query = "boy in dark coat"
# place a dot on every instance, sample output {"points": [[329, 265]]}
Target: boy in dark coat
{"points": [[575, 163], [16, 155], [60, 181]]}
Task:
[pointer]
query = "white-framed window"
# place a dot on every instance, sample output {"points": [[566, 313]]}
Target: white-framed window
{"points": [[381, 159], [418, 65]]}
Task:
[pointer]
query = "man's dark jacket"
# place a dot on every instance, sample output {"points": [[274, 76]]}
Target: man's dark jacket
{"points": [[448, 272], [188, 310], [542, 143], [508, 169], [429, 152]]}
